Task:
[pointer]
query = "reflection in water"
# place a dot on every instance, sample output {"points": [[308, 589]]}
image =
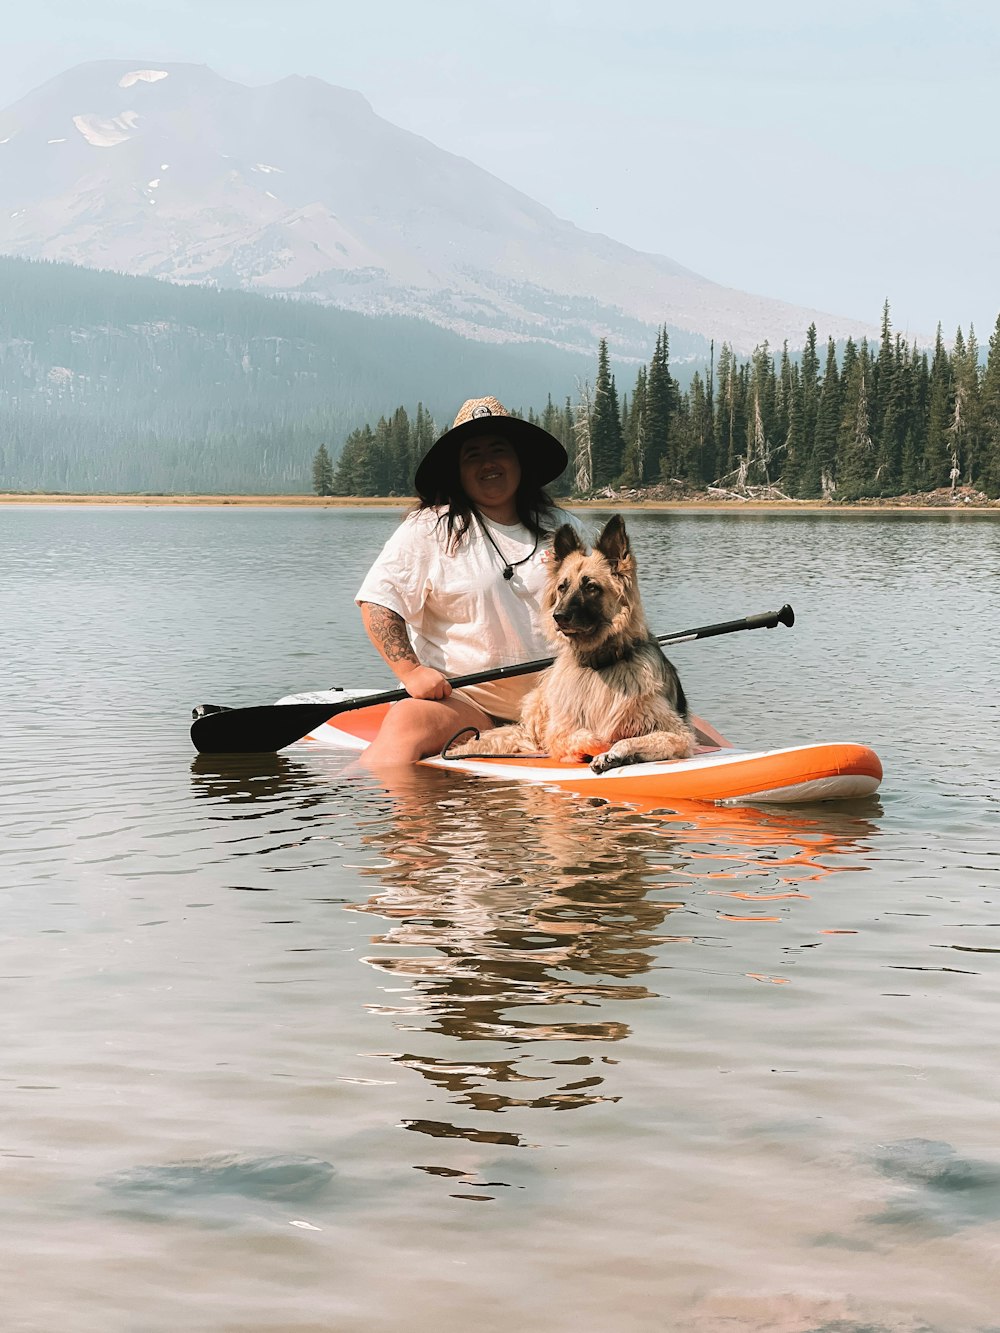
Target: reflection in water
{"points": [[943, 1191], [523, 931], [220, 1190], [522, 916], [281, 812], [255, 779]]}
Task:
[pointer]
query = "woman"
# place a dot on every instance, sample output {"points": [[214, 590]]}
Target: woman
{"points": [[457, 587]]}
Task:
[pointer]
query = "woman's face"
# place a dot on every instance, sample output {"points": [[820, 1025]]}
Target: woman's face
{"points": [[490, 472]]}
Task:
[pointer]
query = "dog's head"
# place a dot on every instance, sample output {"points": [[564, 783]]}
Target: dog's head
{"points": [[592, 597]]}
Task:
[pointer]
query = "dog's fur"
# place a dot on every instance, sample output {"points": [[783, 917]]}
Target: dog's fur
{"points": [[611, 695]]}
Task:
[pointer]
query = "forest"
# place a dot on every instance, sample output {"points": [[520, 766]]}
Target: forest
{"points": [[119, 384], [131, 385], [855, 421]]}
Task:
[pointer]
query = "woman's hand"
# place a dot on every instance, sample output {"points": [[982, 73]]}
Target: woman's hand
{"points": [[424, 682]]}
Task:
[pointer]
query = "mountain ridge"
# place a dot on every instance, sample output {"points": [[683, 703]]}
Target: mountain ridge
{"points": [[299, 188]]}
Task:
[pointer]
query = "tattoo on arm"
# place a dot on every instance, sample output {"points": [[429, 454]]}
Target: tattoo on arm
{"points": [[387, 631]]}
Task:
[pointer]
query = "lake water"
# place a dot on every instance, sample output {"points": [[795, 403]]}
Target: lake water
{"points": [[288, 1051]]}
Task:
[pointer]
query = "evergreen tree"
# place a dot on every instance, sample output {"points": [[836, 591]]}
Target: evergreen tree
{"points": [[810, 386], [659, 408], [352, 466], [854, 453], [322, 472], [422, 437], [398, 473], [634, 452], [917, 408], [823, 463], [731, 412], [605, 426], [379, 463], [795, 444], [937, 447], [990, 406], [553, 421], [761, 417], [966, 422], [700, 462]]}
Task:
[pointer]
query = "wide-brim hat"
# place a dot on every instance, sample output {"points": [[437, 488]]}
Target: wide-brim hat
{"points": [[540, 454]]}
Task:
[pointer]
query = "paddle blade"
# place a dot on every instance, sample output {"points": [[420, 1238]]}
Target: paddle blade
{"points": [[260, 730]]}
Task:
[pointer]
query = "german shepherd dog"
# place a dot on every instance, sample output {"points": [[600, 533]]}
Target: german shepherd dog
{"points": [[611, 697]]}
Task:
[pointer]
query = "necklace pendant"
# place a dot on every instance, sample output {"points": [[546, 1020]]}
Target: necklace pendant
{"points": [[508, 573]]}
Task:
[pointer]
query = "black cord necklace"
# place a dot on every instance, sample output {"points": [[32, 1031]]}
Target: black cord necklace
{"points": [[508, 565]]}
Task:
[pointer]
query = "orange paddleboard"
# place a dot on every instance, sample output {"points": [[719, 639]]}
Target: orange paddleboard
{"points": [[720, 773]]}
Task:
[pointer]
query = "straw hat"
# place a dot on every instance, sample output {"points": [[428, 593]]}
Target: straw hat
{"points": [[541, 455]]}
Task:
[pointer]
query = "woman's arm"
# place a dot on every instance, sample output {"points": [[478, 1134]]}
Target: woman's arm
{"points": [[387, 631]]}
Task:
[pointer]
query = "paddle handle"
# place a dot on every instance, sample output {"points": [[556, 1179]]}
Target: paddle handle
{"points": [[270, 727], [766, 620]]}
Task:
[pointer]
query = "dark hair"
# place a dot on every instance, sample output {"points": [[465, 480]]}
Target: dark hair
{"points": [[536, 509]]}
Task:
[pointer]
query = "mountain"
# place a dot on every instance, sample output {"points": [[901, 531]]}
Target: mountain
{"points": [[299, 188], [122, 384]]}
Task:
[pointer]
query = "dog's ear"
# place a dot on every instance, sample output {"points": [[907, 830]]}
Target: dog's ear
{"points": [[565, 542], [613, 542]]}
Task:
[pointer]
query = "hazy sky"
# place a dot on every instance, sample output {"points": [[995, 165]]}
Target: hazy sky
{"points": [[833, 155]]}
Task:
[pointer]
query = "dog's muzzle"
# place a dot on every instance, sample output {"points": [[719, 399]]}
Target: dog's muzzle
{"points": [[573, 624]]}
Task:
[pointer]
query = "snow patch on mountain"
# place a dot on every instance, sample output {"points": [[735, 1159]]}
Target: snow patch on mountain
{"points": [[142, 76], [102, 133]]}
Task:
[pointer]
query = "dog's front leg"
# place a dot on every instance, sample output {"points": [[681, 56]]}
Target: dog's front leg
{"points": [[657, 746], [577, 748]]}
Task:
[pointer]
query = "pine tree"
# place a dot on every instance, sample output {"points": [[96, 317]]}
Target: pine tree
{"points": [[605, 426], [990, 466], [761, 418], [966, 423], [791, 475], [322, 472], [353, 465], [917, 409], [659, 408], [854, 453], [634, 452], [422, 437], [823, 465], [731, 412], [398, 472], [700, 466], [553, 421], [810, 386], [937, 448]]}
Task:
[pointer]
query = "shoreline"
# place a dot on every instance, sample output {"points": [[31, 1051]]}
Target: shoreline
{"points": [[939, 504]]}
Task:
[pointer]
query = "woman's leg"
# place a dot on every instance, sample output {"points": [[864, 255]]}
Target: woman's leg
{"points": [[415, 728]]}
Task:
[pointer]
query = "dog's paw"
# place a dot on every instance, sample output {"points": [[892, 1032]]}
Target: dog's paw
{"points": [[614, 758]]}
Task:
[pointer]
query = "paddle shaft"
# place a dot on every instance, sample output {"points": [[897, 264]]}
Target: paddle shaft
{"points": [[270, 727]]}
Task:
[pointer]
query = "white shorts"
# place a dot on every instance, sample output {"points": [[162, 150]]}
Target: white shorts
{"points": [[500, 699]]}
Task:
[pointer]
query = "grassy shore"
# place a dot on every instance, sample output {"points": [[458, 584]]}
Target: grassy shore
{"points": [[962, 502]]}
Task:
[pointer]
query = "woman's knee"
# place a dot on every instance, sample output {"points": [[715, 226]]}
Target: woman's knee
{"points": [[415, 728]]}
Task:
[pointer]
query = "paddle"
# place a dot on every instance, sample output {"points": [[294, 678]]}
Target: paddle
{"points": [[270, 727]]}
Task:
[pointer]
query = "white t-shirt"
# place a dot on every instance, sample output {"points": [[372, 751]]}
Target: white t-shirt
{"points": [[462, 614]]}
